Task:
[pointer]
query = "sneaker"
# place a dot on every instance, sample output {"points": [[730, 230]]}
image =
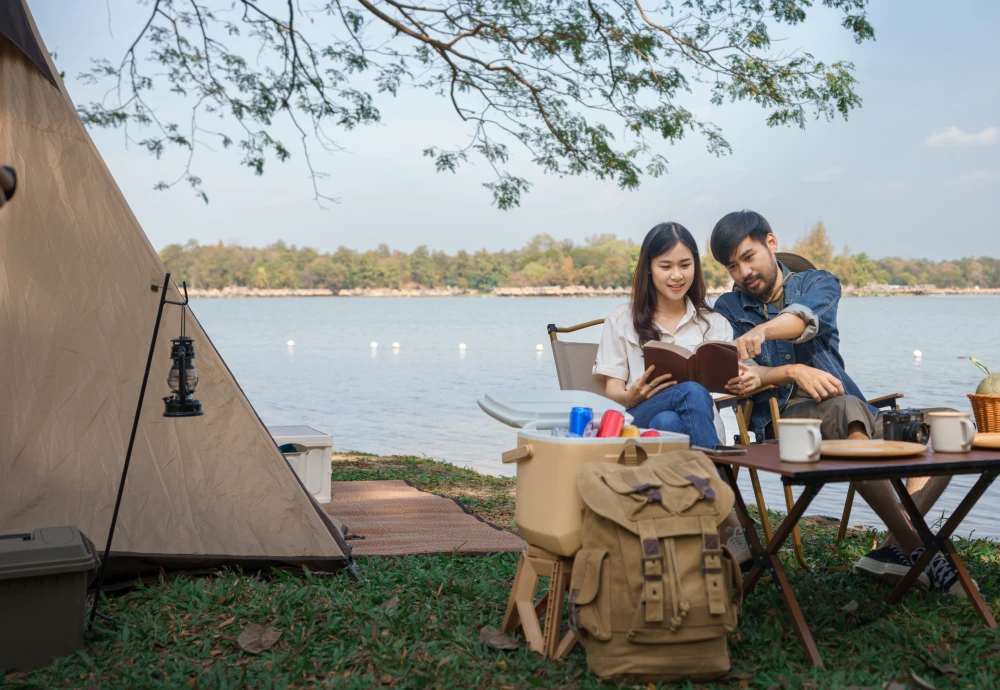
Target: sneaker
{"points": [[943, 577], [889, 564], [736, 540]]}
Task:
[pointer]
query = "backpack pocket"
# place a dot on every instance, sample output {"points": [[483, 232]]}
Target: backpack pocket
{"points": [[590, 595]]}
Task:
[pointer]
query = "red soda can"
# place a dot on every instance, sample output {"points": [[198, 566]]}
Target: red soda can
{"points": [[650, 433], [612, 422]]}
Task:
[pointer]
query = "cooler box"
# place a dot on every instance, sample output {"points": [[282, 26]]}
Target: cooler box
{"points": [[43, 595], [548, 509], [311, 460]]}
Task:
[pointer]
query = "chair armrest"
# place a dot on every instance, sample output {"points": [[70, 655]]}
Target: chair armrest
{"points": [[886, 400], [728, 401]]}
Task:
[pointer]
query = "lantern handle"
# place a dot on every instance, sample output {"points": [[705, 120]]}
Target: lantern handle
{"points": [[185, 302]]}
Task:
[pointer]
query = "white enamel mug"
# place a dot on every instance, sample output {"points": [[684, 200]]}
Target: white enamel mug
{"points": [[951, 432], [799, 440]]}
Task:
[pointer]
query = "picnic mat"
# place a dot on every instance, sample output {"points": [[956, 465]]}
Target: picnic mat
{"points": [[397, 519]]}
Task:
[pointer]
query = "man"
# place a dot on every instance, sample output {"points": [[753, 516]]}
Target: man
{"points": [[787, 323]]}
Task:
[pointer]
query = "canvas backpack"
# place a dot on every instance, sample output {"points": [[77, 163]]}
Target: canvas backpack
{"points": [[652, 592]]}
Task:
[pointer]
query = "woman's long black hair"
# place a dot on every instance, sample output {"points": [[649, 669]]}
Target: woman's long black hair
{"points": [[660, 240]]}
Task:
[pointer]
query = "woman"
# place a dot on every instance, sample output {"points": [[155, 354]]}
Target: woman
{"points": [[668, 304]]}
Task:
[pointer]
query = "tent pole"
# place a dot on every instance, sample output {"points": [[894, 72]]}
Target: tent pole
{"points": [[128, 454]]}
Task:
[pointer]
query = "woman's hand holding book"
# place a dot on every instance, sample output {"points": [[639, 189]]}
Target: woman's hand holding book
{"points": [[643, 388]]}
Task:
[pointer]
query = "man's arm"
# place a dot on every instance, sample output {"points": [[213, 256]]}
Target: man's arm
{"points": [[813, 313], [784, 326], [816, 305], [816, 383]]}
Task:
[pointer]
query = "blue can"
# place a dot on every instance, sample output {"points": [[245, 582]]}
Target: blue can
{"points": [[579, 418]]}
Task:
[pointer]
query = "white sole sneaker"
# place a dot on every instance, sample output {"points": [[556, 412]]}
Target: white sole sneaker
{"points": [[888, 564]]}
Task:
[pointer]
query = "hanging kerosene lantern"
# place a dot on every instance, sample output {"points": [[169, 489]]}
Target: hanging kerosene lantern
{"points": [[183, 377]]}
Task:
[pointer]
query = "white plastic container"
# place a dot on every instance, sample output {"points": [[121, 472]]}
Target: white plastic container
{"points": [[548, 508], [312, 463]]}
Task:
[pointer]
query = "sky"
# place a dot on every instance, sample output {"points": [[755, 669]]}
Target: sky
{"points": [[914, 173]]}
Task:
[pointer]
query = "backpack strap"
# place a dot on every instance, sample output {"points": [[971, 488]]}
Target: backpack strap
{"points": [[712, 565], [652, 571]]}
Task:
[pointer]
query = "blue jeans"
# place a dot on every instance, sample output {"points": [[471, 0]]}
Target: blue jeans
{"points": [[686, 408]]}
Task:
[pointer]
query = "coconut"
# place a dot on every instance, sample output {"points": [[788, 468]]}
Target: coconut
{"points": [[989, 385]]}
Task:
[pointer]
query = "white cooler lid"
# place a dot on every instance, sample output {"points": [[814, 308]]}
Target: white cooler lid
{"points": [[301, 434], [547, 409]]}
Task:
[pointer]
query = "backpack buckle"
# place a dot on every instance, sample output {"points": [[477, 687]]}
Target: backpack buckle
{"points": [[710, 549], [650, 493], [702, 485]]}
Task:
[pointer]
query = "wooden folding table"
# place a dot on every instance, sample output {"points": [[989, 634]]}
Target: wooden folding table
{"points": [[813, 476]]}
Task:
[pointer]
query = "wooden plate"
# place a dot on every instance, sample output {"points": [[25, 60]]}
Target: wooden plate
{"points": [[873, 448], [990, 441]]}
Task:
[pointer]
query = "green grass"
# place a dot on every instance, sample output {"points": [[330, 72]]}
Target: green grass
{"points": [[182, 633]]}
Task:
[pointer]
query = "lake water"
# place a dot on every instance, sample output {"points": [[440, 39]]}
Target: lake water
{"points": [[421, 399]]}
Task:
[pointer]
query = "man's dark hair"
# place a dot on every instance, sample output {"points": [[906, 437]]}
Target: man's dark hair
{"points": [[732, 229]]}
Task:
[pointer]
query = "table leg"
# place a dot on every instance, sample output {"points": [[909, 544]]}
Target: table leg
{"points": [[768, 558], [942, 542]]}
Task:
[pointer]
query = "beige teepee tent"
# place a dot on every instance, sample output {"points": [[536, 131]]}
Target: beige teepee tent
{"points": [[76, 317]]}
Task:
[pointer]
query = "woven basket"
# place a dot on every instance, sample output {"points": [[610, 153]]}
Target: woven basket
{"points": [[987, 411]]}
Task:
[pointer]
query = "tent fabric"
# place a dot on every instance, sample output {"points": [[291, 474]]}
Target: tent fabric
{"points": [[16, 27], [76, 317]]}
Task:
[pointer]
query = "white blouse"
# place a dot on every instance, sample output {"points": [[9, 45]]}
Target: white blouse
{"points": [[619, 354]]}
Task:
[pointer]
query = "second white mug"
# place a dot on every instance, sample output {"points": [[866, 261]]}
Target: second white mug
{"points": [[951, 432], [799, 440]]}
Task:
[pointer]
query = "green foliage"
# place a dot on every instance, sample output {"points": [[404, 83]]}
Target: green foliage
{"points": [[602, 261], [557, 79], [860, 270]]}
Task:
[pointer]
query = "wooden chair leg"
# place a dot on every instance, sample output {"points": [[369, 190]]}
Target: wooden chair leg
{"points": [[796, 537], [775, 414], [846, 517], [742, 421], [758, 493]]}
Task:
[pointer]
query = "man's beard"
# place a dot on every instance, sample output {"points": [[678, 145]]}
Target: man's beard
{"points": [[765, 283]]}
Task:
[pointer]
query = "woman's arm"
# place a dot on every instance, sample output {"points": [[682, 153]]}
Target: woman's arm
{"points": [[615, 389], [642, 389]]}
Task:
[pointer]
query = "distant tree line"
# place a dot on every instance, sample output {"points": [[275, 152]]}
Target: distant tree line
{"points": [[602, 261]]}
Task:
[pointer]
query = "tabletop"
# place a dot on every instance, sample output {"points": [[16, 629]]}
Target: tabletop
{"points": [[764, 458]]}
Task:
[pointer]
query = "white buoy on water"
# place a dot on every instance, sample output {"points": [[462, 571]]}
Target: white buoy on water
{"points": [[461, 346], [290, 343], [373, 345], [395, 346], [917, 354], [539, 348]]}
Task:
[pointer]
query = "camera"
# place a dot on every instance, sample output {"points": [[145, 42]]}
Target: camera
{"points": [[905, 425]]}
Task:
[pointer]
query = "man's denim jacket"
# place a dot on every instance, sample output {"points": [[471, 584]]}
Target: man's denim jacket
{"points": [[811, 295]]}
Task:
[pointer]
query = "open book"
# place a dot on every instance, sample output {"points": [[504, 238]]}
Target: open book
{"points": [[712, 364]]}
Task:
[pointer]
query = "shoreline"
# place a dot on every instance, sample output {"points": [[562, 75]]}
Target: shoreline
{"points": [[232, 292]]}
